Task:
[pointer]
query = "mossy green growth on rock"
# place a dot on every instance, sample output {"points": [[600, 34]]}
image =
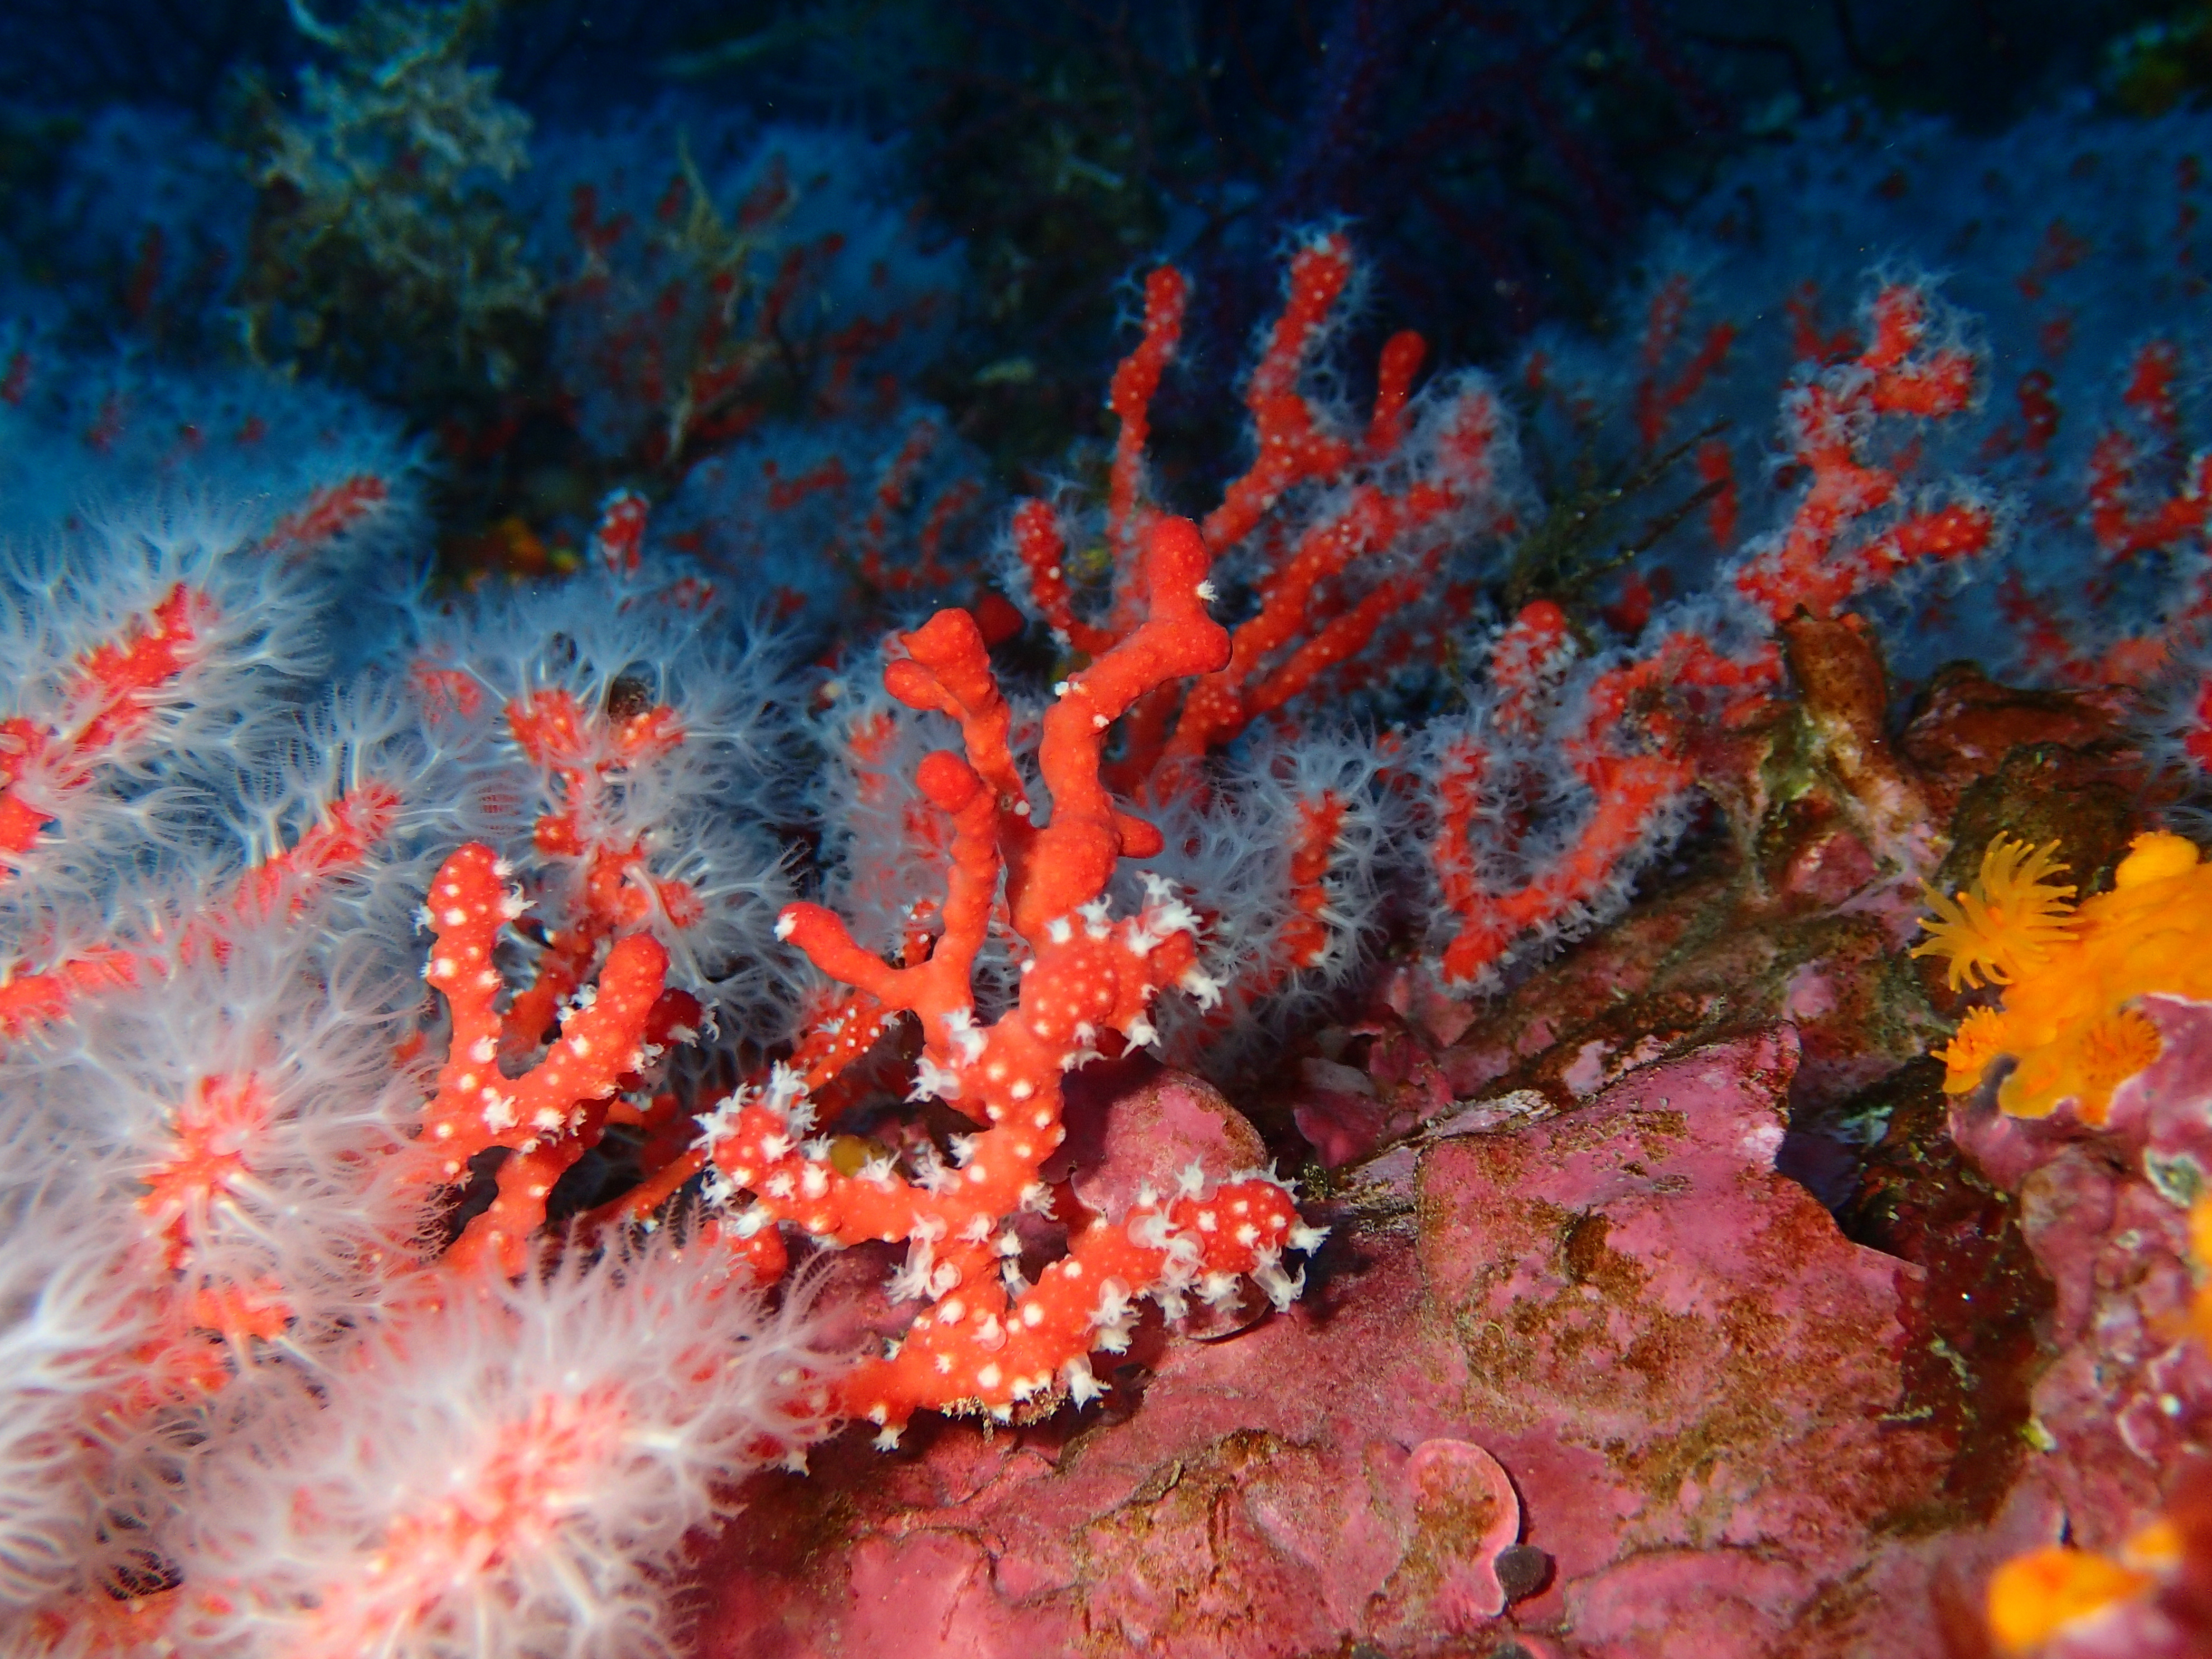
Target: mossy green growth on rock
{"points": [[382, 253]]}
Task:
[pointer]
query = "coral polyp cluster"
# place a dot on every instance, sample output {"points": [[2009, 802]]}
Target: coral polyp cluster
{"points": [[2071, 973]]}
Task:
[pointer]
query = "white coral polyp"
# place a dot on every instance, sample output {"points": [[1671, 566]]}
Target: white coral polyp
{"points": [[508, 1472]]}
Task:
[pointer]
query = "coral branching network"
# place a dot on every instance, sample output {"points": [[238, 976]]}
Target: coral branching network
{"points": [[259, 1181], [490, 1066]]}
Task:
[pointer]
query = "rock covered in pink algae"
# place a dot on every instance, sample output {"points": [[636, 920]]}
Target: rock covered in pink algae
{"points": [[1146, 1133], [1614, 1336], [1467, 1516], [2124, 1410], [2104, 1210], [1658, 1323]]}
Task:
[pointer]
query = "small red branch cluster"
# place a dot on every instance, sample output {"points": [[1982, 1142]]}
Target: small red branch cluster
{"points": [[1660, 395], [1821, 561], [2123, 528], [112, 708], [549, 1116], [1366, 548], [1627, 744], [1619, 736], [698, 326], [2130, 515]]}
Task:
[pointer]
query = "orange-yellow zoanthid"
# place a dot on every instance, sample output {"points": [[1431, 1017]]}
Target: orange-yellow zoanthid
{"points": [[2071, 973]]}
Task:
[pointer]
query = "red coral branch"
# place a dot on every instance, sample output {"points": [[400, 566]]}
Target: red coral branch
{"points": [[583, 753], [1815, 562], [351, 828], [329, 514], [1372, 521], [552, 1113], [1136, 381], [1629, 751], [1291, 440], [104, 707], [993, 1342]]}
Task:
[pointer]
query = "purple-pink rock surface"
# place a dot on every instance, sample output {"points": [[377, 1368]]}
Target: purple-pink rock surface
{"points": [[2124, 1406], [1595, 1382]]}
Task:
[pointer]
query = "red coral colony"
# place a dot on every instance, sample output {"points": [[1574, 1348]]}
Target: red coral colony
{"points": [[1561, 1013]]}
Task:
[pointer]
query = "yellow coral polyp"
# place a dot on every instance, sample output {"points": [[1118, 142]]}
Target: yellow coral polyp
{"points": [[1978, 1039], [2155, 857], [2200, 1250], [2034, 1598], [2070, 977], [2113, 1050], [2007, 922], [2156, 1547]]}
